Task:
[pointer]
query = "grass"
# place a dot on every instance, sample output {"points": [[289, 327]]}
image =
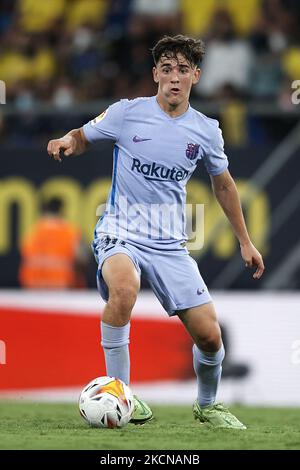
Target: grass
{"points": [[59, 426]]}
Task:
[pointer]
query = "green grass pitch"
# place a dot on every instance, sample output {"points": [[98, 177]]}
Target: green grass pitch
{"points": [[25, 425]]}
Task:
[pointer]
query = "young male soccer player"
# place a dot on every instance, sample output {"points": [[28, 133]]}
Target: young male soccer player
{"points": [[158, 142]]}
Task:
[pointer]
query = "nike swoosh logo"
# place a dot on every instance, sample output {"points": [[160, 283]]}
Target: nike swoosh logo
{"points": [[144, 411], [136, 139], [227, 421], [199, 292]]}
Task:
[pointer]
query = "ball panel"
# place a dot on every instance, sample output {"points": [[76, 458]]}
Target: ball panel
{"points": [[106, 402]]}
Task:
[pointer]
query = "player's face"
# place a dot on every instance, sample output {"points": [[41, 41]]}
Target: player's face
{"points": [[175, 77]]}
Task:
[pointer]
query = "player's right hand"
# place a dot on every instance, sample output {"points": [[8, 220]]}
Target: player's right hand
{"points": [[67, 144]]}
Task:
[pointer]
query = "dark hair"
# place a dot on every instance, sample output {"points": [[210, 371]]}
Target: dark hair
{"points": [[52, 206], [170, 46]]}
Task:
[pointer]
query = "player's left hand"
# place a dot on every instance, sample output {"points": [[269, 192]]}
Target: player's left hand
{"points": [[253, 258]]}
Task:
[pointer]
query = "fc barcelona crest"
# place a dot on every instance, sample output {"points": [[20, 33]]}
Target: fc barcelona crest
{"points": [[192, 151]]}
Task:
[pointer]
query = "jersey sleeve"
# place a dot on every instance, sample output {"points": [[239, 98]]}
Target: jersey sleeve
{"points": [[215, 160], [107, 125]]}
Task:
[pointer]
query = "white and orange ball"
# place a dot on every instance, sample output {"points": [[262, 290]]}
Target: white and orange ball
{"points": [[106, 402]]}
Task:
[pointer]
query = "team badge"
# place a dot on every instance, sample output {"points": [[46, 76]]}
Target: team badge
{"points": [[98, 118], [192, 151]]}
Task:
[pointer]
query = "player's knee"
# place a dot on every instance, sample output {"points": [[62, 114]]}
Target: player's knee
{"points": [[211, 342], [123, 297]]}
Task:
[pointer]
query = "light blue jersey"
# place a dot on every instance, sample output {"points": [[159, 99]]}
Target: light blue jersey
{"points": [[154, 157]]}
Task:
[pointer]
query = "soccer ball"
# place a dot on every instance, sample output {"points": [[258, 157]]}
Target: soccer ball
{"points": [[106, 402]]}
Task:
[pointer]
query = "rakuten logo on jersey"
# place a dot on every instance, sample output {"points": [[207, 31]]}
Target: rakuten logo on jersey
{"points": [[157, 172]]}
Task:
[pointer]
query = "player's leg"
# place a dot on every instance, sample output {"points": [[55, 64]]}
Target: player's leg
{"points": [[176, 281], [122, 280], [208, 353]]}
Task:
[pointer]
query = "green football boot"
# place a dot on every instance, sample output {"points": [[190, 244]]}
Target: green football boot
{"points": [[141, 413], [217, 416]]}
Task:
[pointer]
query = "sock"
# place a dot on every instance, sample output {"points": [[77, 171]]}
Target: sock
{"points": [[208, 369], [115, 340]]}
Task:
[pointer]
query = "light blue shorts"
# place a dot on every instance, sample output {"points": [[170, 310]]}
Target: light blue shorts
{"points": [[172, 274]]}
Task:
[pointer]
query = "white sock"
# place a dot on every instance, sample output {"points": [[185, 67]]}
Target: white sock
{"points": [[208, 369], [115, 340]]}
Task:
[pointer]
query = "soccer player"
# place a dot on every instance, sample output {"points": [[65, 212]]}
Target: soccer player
{"points": [[159, 140]]}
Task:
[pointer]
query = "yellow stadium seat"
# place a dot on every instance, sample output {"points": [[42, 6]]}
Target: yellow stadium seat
{"points": [[291, 63], [197, 14], [14, 67], [44, 65], [86, 12], [36, 16], [243, 13]]}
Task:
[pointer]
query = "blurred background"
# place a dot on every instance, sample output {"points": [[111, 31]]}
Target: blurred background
{"points": [[62, 62]]}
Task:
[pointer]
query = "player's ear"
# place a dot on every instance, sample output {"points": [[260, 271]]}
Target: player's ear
{"points": [[155, 74], [197, 75]]}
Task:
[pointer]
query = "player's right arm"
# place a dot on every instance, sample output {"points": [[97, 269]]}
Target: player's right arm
{"points": [[73, 143], [107, 125]]}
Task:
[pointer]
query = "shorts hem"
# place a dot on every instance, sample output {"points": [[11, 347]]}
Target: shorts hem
{"points": [[101, 284], [174, 312], [118, 252]]}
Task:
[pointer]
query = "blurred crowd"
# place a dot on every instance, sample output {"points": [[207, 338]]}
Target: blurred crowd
{"points": [[69, 51]]}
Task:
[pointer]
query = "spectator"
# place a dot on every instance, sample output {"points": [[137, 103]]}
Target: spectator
{"points": [[52, 254], [228, 59], [71, 51]]}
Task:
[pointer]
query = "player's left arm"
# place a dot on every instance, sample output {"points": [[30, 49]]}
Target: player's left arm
{"points": [[227, 195]]}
